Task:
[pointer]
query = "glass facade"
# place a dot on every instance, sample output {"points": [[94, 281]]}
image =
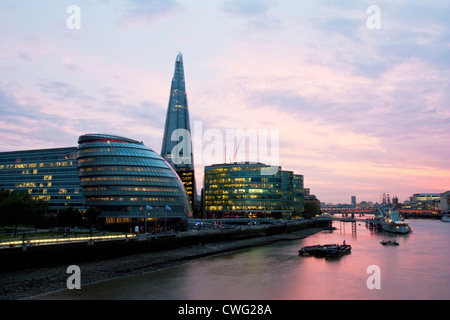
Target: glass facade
{"points": [[242, 191], [47, 174], [188, 179], [177, 138], [128, 181]]}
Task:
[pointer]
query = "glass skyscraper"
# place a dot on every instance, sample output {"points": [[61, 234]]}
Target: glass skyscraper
{"points": [[240, 190], [177, 143], [46, 174], [129, 182]]}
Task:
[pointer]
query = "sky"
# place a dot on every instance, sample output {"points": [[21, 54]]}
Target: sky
{"points": [[359, 95]]}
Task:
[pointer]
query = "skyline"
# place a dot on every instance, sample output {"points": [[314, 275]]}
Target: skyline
{"points": [[359, 111]]}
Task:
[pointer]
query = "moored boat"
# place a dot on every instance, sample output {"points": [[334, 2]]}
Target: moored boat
{"points": [[327, 250], [395, 226], [390, 220]]}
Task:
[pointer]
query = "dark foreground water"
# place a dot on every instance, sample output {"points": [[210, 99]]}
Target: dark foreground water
{"points": [[419, 268]]}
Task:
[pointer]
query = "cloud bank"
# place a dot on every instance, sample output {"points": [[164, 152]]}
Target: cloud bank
{"points": [[359, 111]]}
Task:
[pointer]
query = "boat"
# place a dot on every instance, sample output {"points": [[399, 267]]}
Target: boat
{"points": [[327, 250], [390, 220], [308, 250], [445, 218], [389, 243]]}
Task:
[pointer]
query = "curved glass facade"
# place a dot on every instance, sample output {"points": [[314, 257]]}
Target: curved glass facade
{"points": [[127, 180]]}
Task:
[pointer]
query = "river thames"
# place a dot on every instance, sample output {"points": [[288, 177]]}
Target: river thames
{"points": [[416, 269]]}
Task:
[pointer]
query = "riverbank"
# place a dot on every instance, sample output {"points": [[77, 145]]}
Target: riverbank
{"points": [[33, 283]]}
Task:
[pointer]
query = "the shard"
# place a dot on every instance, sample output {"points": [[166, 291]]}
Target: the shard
{"points": [[177, 142]]}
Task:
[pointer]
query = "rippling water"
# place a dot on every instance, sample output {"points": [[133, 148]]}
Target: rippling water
{"points": [[416, 269]]}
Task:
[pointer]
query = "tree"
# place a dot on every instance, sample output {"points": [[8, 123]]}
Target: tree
{"points": [[19, 208], [69, 218], [37, 217], [92, 217], [311, 209], [4, 216]]}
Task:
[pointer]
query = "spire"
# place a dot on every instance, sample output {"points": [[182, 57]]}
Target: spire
{"points": [[178, 118], [179, 57], [177, 143]]}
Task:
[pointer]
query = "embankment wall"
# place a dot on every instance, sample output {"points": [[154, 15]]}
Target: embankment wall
{"points": [[15, 259]]}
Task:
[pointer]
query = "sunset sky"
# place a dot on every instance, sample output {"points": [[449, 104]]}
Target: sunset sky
{"points": [[360, 111]]}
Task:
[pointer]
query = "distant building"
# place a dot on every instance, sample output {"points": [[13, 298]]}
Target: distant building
{"points": [[365, 205], [420, 197], [444, 206], [46, 174], [423, 201], [353, 201], [129, 182], [240, 190], [177, 133]]}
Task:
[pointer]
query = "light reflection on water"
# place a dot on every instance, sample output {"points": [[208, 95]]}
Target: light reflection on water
{"points": [[416, 269]]}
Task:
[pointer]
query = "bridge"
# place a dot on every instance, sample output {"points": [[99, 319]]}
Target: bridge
{"points": [[350, 211], [403, 211]]}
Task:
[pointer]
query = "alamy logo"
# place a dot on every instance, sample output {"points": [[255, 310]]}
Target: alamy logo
{"points": [[236, 145], [374, 281], [74, 281], [74, 20], [374, 20]]}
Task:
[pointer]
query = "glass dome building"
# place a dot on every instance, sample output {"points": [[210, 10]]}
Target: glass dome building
{"points": [[130, 183]]}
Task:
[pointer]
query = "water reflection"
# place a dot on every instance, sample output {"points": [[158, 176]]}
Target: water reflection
{"points": [[416, 269]]}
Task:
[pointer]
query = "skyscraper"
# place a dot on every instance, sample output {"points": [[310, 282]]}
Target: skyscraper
{"points": [[177, 142], [354, 201]]}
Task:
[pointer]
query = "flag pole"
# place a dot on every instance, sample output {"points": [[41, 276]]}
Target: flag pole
{"points": [[165, 223], [145, 223]]}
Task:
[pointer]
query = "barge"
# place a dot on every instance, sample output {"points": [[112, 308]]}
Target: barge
{"points": [[327, 250]]}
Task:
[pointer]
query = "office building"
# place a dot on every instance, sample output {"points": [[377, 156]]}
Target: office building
{"points": [[444, 205], [177, 143], [46, 174], [241, 190], [130, 183], [423, 201]]}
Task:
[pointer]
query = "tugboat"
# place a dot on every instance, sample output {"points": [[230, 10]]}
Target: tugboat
{"points": [[389, 243], [327, 250]]}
